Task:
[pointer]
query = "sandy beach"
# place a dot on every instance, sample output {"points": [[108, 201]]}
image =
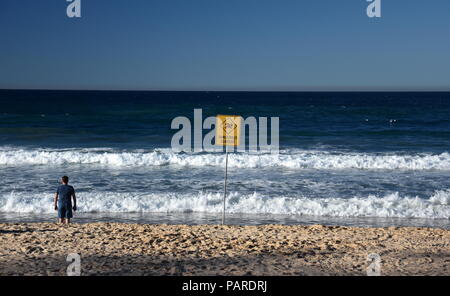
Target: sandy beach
{"points": [[131, 249]]}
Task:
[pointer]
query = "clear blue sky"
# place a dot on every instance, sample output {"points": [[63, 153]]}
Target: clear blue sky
{"points": [[225, 45]]}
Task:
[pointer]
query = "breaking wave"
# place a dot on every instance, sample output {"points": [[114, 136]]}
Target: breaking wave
{"points": [[436, 206], [293, 159]]}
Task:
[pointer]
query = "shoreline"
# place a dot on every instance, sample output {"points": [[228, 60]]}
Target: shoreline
{"points": [[243, 219], [150, 249]]}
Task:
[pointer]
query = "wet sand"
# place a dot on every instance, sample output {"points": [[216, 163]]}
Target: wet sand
{"points": [[132, 249]]}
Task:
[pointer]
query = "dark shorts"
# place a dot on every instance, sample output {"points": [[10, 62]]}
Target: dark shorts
{"points": [[65, 211]]}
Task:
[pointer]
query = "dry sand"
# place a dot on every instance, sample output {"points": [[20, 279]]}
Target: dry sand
{"points": [[130, 249]]}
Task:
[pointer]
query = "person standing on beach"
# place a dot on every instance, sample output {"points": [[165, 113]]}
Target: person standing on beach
{"points": [[63, 201]]}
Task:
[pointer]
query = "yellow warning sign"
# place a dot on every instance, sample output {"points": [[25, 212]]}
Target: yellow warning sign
{"points": [[228, 130]]}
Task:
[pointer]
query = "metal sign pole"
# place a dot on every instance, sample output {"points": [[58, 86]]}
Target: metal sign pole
{"points": [[225, 186], [228, 132]]}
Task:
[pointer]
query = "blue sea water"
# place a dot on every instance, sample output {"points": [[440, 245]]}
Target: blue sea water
{"points": [[348, 158]]}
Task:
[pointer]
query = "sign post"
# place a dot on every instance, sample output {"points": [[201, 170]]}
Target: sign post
{"points": [[228, 132], [225, 187]]}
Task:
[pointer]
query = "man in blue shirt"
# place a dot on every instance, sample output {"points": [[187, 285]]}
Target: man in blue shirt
{"points": [[63, 201]]}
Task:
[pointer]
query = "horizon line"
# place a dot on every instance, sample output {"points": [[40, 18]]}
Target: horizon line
{"points": [[224, 90]]}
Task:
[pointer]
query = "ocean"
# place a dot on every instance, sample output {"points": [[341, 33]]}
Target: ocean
{"points": [[346, 158]]}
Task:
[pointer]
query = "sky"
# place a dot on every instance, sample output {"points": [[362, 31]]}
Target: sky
{"points": [[266, 45]]}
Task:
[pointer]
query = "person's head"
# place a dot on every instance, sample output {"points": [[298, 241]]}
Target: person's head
{"points": [[64, 179]]}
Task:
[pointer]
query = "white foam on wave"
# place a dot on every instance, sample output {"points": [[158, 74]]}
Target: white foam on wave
{"points": [[293, 159], [392, 205]]}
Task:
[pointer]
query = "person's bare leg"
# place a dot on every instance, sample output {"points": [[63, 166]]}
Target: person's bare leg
{"points": [[61, 220], [68, 221]]}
